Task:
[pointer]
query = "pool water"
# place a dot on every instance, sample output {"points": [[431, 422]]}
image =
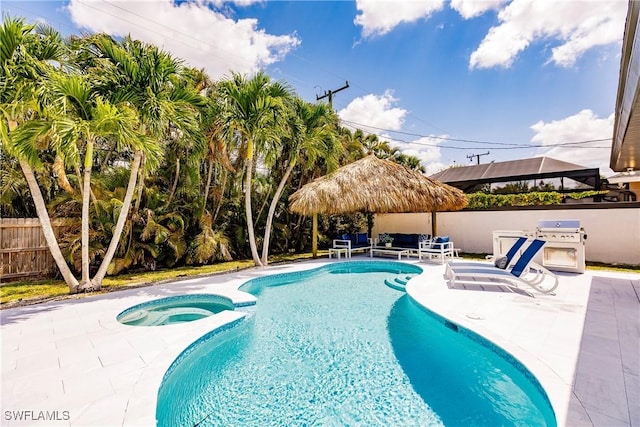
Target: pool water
{"points": [[335, 346], [171, 310]]}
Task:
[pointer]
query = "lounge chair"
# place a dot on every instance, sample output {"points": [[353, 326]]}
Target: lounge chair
{"points": [[524, 271], [505, 260]]}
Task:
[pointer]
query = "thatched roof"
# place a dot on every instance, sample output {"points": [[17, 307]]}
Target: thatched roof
{"points": [[378, 186]]}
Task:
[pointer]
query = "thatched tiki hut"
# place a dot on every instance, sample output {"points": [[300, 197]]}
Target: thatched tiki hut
{"points": [[377, 186]]}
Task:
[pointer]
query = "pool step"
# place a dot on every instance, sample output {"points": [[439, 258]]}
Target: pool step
{"points": [[398, 283], [394, 285]]}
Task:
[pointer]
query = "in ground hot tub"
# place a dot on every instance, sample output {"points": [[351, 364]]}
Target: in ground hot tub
{"points": [[178, 309]]}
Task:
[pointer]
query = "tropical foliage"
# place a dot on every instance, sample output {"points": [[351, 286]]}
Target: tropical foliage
{"points": [[157, 165]]}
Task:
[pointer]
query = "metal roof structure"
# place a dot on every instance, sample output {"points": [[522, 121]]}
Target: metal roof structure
{"points": [[625, 149], [467, 177]]}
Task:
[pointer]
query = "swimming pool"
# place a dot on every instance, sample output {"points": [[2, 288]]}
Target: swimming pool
{"points": [[335, 346]]}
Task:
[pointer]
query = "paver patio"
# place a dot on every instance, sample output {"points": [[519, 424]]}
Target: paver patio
{"points": [[74, 360]]}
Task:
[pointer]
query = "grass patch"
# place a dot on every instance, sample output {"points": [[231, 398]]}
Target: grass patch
{"points": [[624, 268], [23, 293], [609, 267], [17, 291]]}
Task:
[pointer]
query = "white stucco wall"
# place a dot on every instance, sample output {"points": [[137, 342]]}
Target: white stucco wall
{"points": [[613, 235]]}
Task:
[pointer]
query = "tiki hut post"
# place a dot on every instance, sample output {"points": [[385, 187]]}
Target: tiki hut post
{"points": [[314, 238], [434, 228]]}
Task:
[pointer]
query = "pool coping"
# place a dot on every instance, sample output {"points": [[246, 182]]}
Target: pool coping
{"points": [[74, 356]]}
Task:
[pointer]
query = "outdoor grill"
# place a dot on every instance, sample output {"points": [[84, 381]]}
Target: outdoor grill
{"points": [[564, 250]]}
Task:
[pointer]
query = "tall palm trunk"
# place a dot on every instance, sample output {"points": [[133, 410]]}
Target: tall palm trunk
{"points": [[86, 188], [140, 184], [223, 190], [207, 185], [247, 206], [175, 181], [272, 210], [143, 130], [47, 230], [122, 217], [93, 196]]}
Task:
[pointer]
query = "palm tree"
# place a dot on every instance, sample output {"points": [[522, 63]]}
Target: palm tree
{"points": [[75, 119], [26, 53], [312, 136], [253, 114], [150, 81]]}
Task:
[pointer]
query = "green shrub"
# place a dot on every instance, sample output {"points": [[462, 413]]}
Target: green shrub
{"points": [[536, 198]]}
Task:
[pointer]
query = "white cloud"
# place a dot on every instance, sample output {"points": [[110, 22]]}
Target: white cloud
{"points": [[374, 110], [471, 8], [578, 25], [378, 17], [583, 126], [204, 38]]}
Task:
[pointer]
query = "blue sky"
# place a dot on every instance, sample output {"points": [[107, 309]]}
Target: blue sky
{"points": [[440, 80]]}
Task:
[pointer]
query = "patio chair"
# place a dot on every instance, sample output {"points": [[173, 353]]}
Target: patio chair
{"points": [[524, 272], [440, 247], [353, 242]]}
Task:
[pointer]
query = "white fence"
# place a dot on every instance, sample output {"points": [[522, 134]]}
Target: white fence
{"points": [[613, 234]]}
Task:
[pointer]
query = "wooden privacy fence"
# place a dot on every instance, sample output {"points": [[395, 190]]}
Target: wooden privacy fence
{"points": [[23, 250]]}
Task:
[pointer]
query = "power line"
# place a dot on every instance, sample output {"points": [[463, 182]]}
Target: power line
{"points": [[507, 146], [450, 147], [433, 136], [233, 55]]}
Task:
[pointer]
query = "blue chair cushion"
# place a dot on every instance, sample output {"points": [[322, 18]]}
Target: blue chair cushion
{"points": [[404, 240], [439, 242], [362, 239], [344, 237]]}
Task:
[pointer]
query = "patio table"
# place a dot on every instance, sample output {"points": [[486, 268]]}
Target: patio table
{"points": [[389, 251], [338, 252]]}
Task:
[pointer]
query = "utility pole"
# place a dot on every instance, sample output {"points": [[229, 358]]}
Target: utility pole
{"points": [[477, 156], [314, 238], [329, 94]]}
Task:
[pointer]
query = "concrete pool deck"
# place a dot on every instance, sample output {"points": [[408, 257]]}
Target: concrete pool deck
{"points": [[71, 363]]}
